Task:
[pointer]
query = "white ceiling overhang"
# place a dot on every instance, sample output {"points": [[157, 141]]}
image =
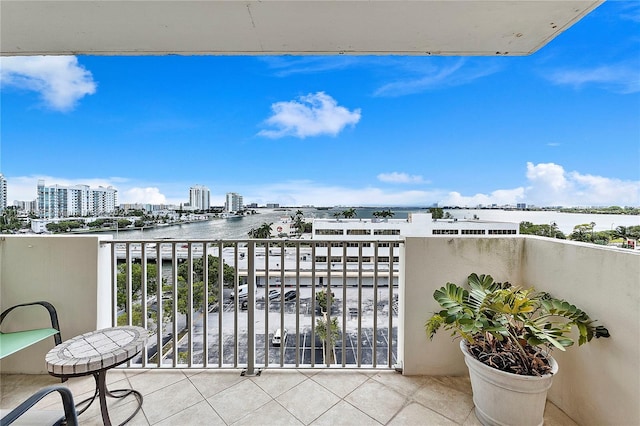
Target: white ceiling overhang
{"points": [[298, 27]]}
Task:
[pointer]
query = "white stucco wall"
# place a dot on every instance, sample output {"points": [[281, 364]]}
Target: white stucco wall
{"points": [[63, 270], [598, 383]]}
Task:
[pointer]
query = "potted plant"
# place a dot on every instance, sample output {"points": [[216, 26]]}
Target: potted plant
{"points": [[507, 337]]}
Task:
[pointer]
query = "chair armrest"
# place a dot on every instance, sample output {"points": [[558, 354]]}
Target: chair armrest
{"points": [[52, 313], [70, 416]]}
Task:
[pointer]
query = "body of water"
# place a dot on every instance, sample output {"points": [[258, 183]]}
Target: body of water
{"points": [[239, 228]]}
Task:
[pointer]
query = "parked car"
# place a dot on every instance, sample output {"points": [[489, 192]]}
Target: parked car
{"points": [[274, 294], [280, 336], [243, 292], [290, 295]]}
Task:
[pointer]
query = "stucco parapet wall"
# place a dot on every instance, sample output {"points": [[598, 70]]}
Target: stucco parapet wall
{"points": [[601, 280], [71, 272]]}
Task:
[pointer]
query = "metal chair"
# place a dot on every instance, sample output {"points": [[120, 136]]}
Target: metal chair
{"points": [[44, 416], [17, 340]]}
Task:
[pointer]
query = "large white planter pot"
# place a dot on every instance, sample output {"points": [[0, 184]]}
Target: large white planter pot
{"points": [[507, 399]]}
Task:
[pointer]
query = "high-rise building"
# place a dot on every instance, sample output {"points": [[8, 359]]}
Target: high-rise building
{"points": [[199, 197], [234, 202], [62, 201], [3, 192]]}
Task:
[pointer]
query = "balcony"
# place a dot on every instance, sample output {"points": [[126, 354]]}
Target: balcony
{"points": [[275, 397], [76, 274]]}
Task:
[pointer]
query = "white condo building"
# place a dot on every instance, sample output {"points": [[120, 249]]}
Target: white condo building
{"points": [[63, 201], [378, 240], [199, 197], [3, 192], [233, 202], [415, 225]]}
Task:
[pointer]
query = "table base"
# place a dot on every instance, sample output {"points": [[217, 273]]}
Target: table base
{"points": [[102, 393]]}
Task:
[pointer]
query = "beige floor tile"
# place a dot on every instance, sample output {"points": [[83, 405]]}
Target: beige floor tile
{"points": [[340, 382], [118, 410], [405, 385], [15, 388], [170, 400], [272, 413], [212, 382], [376, 400], [416, 414], [152, 380], [459, 383], [235, 402], [199, 414], [345, 414], [553, 416], [277, 382], [445, 400], [308, 401], [472, 420]]}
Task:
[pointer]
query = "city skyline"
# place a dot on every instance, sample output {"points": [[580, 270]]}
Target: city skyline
{"points": [[559, 127]]}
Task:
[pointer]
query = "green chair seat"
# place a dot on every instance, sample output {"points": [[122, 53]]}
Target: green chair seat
{"points": [[15, 341]]}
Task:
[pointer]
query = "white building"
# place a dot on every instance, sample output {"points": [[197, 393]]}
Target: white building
{"points": [[3, 192], [233, 202], [199, 197], [378, 240], [26, 206], [63, 201], [415, 225]]}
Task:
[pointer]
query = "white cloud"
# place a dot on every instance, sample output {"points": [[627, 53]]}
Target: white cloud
{"points": [[147, 195], [548, 184], [314, 193], [60, 80], [619, 78], [460, 72], [396, 177], [312, 115], [24, 188], [499, 197]]}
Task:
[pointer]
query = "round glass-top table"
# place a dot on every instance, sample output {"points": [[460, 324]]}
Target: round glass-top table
{"points": [[94, 353]]}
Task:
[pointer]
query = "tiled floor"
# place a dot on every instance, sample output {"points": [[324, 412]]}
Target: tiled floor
{"points": [[276, 397]]}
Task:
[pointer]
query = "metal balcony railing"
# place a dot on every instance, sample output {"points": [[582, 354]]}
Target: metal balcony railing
{"points": [[273, 303]]}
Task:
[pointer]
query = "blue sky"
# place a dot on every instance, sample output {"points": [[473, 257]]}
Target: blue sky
{"points": [[559, 127]]}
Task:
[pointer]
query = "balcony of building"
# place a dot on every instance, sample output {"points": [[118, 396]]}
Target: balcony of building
{"points": [[75, 274]]}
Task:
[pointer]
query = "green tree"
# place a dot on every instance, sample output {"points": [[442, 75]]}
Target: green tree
{"points": [[228, 272], [98, 223], [123, 223], [9, 220], [298, 222], [349, 213], [436, 212], [136, 318], [321, 299], [583, 232], [228, 276], [383, 214], [136, 282], [262, 232], [545, 230], [64, 225], [337, 215], [329, 336]]}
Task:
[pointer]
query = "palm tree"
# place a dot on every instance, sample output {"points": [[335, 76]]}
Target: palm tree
{"points": [[329, 336], [350, 213], [298, 222], [386, 213], [337, 215], [262, 232]]}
